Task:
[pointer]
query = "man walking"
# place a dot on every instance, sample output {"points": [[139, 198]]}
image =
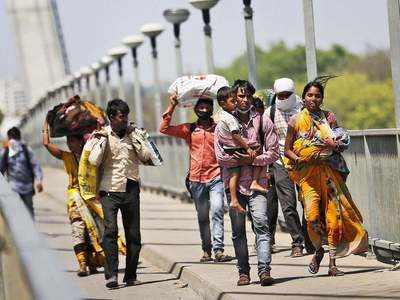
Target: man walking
{"points": [[284, 106], [205, 182], [118, 153], [18, 163], [250, 121]]}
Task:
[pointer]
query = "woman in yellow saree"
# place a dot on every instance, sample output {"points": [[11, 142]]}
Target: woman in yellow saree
{"points": [[86, 216], [315, 164]]}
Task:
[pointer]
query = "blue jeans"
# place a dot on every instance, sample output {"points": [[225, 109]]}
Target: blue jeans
{"points": [[257, 206], [210, 196]]}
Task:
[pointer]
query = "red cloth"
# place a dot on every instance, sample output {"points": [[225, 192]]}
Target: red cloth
{"points": [[203, 163]]}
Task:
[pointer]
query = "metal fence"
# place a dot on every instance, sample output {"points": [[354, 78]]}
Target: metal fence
{"points": [[28, 269], [374, 181]]}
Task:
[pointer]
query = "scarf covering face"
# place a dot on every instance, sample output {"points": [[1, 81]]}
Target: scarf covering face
{"points": [[14, 147], [285, 85]]}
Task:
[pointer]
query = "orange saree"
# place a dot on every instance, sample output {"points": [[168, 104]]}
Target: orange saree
{"points": [[330, 211]]}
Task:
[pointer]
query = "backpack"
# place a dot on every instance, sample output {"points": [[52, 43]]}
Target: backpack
{"points": [[272, 109], [192, 127]]}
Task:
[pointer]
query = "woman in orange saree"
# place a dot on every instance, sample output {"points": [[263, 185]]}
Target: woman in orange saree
{"points": [[315, 164]]}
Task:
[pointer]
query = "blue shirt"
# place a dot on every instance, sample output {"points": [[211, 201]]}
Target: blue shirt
{"points": [[18, 173]]}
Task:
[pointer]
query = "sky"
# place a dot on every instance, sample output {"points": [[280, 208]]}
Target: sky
{"points": [[92, 27]]}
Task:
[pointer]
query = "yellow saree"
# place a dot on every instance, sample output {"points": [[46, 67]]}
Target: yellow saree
{"points": [[329, 209], [89, 210]]}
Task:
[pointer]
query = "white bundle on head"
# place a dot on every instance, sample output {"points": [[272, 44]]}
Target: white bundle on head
{"points": [[190, 88]]}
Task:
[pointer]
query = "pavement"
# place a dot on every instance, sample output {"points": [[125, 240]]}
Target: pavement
{"points": [[170, 267]]}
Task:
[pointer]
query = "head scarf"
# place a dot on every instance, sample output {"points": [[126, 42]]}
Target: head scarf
{"points": [[285, 85]]}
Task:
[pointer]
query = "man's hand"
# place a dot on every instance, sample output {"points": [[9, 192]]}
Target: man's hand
{"points": [[237, 207], [244, 159], [39, 187], [173, 100]]}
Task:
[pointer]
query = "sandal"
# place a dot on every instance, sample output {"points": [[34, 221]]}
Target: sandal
{"points": [[221, 257], [244, 279], [313, 267], [334, 271], [206, 257]]}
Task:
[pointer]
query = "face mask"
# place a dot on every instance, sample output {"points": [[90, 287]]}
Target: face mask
{"points": [[245, 111], [203, 115], [286, 104]]}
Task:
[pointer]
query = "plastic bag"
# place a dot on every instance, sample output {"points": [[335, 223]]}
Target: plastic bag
{"points": [[190, 88], [74, 117], [144, 139]]}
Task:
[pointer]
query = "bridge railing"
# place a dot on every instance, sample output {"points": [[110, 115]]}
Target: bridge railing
{"points": [[374, 181], [28, 269]]}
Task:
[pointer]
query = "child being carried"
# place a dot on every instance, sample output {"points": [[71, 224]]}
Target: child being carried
{"points": [[230, 126]]}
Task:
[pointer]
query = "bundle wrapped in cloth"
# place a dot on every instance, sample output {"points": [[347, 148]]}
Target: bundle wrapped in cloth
{"points": [[191, 88], [74, 117]]}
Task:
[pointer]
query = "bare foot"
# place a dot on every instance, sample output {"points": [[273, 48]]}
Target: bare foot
{"points": [[255, 186]]}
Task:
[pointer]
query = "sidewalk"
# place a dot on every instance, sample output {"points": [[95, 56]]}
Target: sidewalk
{"points": [[171, 242]]}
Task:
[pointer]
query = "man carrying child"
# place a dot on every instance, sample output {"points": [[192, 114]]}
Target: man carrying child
{"points": [[253, 130]]}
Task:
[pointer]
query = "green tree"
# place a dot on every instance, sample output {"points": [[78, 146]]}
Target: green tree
{"points": [[281, 61], [359, 103]]}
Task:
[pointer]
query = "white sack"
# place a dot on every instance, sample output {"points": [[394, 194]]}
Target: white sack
{"points": [[191, 88]]}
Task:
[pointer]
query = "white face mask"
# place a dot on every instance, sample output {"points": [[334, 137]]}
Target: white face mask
{"points": [[244, 111], [286, 104]]}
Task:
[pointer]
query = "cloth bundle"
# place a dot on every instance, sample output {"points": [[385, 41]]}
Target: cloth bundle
{"points": [[74, 117], [191, 88]]}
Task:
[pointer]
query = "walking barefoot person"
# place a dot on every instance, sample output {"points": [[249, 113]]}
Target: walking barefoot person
{"points": [[314, 162]]}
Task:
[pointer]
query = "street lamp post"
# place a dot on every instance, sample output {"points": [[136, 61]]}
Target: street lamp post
{"points": [[95, 71], [77, 78], [177, 16], [251, 45], [205, 6], [152, 30], [86, 72], [71, 89], [65, 87], [133, 42], [311, 52], [106, 61], [117, 54]]}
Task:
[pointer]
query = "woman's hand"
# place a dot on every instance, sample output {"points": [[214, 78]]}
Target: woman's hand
{"points": [[330, 143]]}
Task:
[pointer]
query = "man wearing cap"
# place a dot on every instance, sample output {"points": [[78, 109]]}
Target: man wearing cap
{"points": [[204, 179], [284, 105]]}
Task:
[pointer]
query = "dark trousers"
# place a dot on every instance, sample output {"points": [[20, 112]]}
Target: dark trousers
{"points": [[28, 201], [284, 191], [129, 204]]}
